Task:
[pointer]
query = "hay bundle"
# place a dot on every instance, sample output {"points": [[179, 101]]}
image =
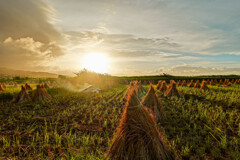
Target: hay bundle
{"points": [[228, 84], [130, 87], [15, 85], [159, 84], [220, 81], [163, 87], [184, 83], [139, 87], [178, 83], [191, 84], [236, 81], [41, 94], [212, 83], [204, 85], [145, 82], [172, 90], [4, 85], [152, 102], [137, 137], [2, 88], [197, 85], [172, 81], [208, 82], [54, 84], [28, 87], [226, 81], [22, 96], [46, 85], [218, 85]]}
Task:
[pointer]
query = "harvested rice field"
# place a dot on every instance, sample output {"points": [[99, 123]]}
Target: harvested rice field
{"points": [[193, 123]]}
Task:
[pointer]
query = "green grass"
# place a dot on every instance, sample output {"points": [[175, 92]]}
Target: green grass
{"points": [[201, 124], [76, 125]]}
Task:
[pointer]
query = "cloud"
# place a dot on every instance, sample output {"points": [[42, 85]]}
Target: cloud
{"points": [[200, 27], [28, 37], [141, 35], [24, 43], [128, 40], [189, 70], [35, 47], [120, 45], [181, 70]]}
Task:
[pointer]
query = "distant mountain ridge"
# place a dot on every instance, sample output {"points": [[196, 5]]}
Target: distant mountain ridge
{"points": [[6, 72]]}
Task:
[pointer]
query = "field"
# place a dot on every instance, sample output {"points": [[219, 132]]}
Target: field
{"points": [[72, 125]]}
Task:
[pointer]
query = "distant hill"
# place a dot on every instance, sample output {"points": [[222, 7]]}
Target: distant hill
{"points": [[6, 72]]}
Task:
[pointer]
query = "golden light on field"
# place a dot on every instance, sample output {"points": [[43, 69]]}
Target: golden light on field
{"points": [[96, 62]]}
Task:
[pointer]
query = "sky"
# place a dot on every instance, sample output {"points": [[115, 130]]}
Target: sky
{"points": [[139, 37]]}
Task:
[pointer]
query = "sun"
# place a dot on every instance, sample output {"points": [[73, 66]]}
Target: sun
{"points": [[96, 62]]}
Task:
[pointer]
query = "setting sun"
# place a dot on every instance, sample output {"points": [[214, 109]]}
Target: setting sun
{"points": [[96, 62]]}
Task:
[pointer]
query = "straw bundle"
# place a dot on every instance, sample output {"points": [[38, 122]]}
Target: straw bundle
{"points": [[228, 85], [226, 81], [152, 102], [178, 83], [191, 84], [1, 87], [208, 82], [212, 83], [159, 84], [172, 81], [145, 82], [139, 89], [22, 96], [4, 85], [236, 81], [137, 137], [220, 81], [28, 87], [183, 83], [54, 84], [46, 85], [130, 87], [172, 90], [163, 87], [197, 85], [204, 85], [41, 94], [15, 85]]}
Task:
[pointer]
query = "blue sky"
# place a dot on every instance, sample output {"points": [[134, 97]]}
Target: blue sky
{"points": [[144, 36]]}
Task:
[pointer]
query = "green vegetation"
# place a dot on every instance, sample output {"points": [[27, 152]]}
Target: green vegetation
{"points": [[203, 123], [167, 77], [76, 125]]}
